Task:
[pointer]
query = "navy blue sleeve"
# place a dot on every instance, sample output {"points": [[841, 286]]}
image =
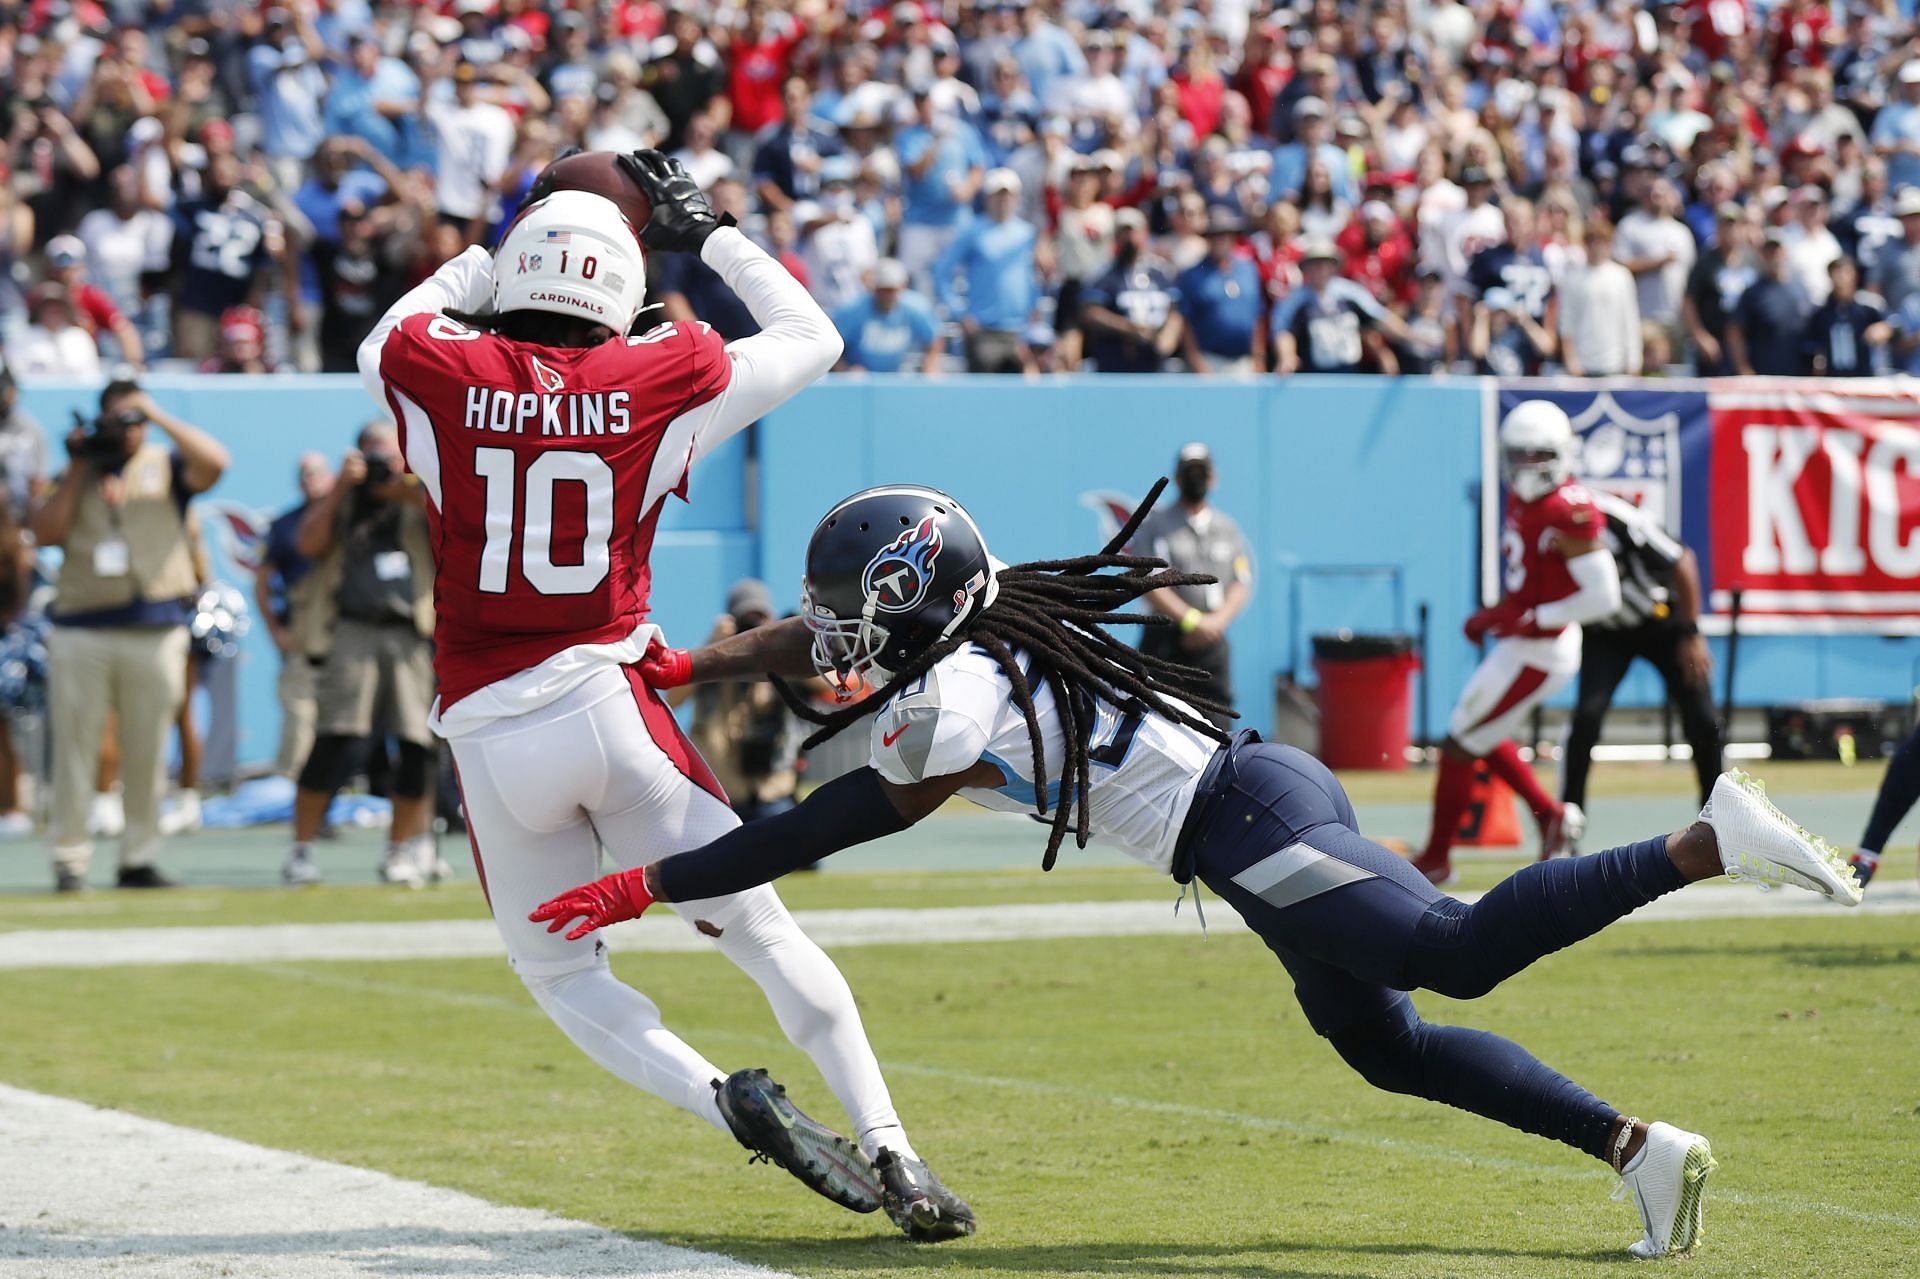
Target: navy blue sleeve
{"points": [[848, 810]]}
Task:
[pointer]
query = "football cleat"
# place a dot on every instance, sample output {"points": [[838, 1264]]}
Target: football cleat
{"points": [[1560, 835], [1760, 843], [920, 1203], [777, 1131], [1667, 1182], [1863, 865], [400, 866], [299, 869]]}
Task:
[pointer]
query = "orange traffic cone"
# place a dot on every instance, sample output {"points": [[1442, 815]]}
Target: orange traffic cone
{"points": [[1492, 819]]}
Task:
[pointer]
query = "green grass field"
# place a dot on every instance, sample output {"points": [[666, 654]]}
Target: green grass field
{"points": [[1115, 1107]]}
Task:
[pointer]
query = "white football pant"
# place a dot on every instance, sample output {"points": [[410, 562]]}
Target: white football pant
{"points": [[607, 764], [1516, 675]]}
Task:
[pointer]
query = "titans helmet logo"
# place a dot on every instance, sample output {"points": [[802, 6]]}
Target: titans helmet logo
{"points": [[898, 577]]}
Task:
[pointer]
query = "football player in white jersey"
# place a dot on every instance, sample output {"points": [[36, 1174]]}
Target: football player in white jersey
{"points": [[994, 681]]}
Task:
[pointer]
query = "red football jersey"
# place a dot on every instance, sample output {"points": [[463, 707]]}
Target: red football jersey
{"points": [[1533, 572], [545, 469]]}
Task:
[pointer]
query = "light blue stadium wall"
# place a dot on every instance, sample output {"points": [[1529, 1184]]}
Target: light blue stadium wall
{"points": [[1324, 474]]}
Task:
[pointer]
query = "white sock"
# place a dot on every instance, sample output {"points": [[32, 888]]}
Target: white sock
{"points": [[302, 851], [891, 1137]]}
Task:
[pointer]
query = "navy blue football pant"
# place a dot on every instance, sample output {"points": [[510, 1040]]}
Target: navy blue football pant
{"points": [[1898, 792], [1275, 836]]}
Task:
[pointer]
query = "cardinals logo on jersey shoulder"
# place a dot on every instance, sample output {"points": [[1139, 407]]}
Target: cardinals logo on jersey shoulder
{"points": [[551, 380], [896, 579]]}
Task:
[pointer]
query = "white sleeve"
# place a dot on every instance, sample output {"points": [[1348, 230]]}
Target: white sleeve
{"points": [[796, 343], [464, 283], [1599, 593]]}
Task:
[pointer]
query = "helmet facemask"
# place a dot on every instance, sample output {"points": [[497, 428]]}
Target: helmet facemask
{"points": [[1532, 473], [845, 650], [849, 651]]}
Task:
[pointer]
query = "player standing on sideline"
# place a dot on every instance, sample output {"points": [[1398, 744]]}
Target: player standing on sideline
{"points": [[1557, 574], [994, 680], [1899, 790], [1659, 620], [546, 441]]}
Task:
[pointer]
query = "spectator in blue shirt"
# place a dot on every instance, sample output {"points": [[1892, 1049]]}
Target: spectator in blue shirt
{"points": [[1130, 313], [1320, 326], [1896, 130], [994, 255], [1845, 332], [1008, 112], [1312, 139], [786, 167], [1045, 52], [284, 72], [572, 73], [372, 95], [1767, 332], [942, 162], [891, 328], [336, 183], [1222, 300], [282, 567], [1906, 336]]}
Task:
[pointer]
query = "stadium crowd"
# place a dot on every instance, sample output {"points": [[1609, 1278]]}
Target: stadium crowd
{"points": [[1508, 186]]}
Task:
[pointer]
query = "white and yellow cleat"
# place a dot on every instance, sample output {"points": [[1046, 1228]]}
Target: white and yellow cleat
{"points": [[1667, 1182], [1761, 844]]}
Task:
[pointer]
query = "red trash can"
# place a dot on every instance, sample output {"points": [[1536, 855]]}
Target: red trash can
{"points": [[1366, 699]]}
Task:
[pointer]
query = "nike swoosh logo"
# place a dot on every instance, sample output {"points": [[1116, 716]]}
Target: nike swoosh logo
{"points": [[888, 739]]}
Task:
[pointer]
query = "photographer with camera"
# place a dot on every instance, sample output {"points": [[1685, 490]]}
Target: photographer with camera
{"points": [[119, 641], [364, 617]]}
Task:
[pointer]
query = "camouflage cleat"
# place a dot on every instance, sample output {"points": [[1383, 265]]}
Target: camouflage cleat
{"points": [[919, 1203], [775, 1130]]}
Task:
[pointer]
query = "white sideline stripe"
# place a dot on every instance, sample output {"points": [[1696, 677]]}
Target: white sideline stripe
{"points": [[87, 1192], [477, 939]]}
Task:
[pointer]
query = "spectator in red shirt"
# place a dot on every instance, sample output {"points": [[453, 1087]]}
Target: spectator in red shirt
{"points": [[759, 61], [243, 343], [1378, 253], [1265, 68], [1202, 89], [93, 309], [1796, 36]]}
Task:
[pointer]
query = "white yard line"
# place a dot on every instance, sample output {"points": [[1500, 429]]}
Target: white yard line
{"points": [[476, 938], [87, 1192]]}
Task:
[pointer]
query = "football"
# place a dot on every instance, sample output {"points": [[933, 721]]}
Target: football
{"points": [[600, 173]]}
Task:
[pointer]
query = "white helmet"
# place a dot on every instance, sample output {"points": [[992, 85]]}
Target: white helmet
{"points": [[574, 253], [1536, 449]]}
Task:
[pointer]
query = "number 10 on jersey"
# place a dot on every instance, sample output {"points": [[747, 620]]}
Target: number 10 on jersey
{"points": [[497, 467]]}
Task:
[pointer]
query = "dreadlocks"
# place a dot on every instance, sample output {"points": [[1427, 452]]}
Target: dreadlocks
{"points": [[1057, 612], [542, 328]]}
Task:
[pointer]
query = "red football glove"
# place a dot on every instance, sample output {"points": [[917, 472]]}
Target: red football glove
{"points": [[1501, 619], [604, 901], [665, 667]]}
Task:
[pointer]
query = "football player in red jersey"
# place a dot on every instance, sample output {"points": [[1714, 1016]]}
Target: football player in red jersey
{"points": [[546, 441], [1557, 574]]}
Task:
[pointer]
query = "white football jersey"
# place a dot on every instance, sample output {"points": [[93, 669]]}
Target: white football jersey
{"points": [[1142, 769]]}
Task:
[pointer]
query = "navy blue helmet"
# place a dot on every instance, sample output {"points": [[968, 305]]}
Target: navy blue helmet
{"points": [[891, 571]]}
